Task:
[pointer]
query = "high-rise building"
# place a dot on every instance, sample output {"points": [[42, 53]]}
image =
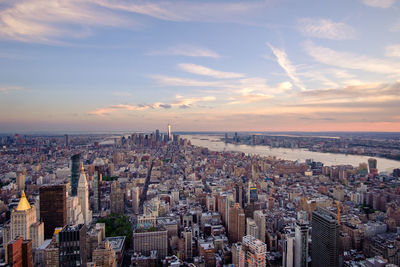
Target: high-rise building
{"points": [[237, 222], [104, 255], [23, 223], [83, 195], [72, 246], [116, 198], [254, 252], [20, 180], [251, 227], [301, 244], [53, 208], [135, 191], [20, 253], [74, 211], [288, 251], [237, 255], [260, 220], [66, 140], [188, 250], [253, 194], [372, 165], [97, 179], [75, 173], [325, 239], [146, 240], [169, 133]]}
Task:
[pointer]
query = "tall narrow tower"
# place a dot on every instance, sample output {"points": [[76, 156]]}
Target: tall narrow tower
{"points": [[75, 164], [83, 195], [169, 132]]}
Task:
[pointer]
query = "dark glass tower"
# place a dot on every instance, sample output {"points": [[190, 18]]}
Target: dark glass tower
{"points": [[72, 245], [325, 239], [75, 172], [53, 208]]}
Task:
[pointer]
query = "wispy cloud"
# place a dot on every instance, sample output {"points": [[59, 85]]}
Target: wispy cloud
{"points": [[379, 3], [177, 81], [42, 21], [324, 28], [283, 60], [187, 51], [8, 89], [350, 60], [180, 102], [201, 70], [187, 10], [393, 50]]}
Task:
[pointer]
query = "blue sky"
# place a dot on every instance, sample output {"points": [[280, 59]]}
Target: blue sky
{"points": [[97, 65]]}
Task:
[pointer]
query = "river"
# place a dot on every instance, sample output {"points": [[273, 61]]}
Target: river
{"points": [[213, 142]]}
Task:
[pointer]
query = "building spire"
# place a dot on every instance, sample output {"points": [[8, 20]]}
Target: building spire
{"points": [[23, 203], [82, 168]]}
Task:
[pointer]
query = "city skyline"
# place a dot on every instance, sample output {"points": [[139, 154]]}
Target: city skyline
{"points": [[268, 65]]}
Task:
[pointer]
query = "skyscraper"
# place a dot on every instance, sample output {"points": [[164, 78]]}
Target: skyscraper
{"points": [[372, 165], [259, 219], [288, 249], [169, 132], [254, 251], [325, 239], [301, 244], [20, 253], [20, 180], [83, 195], [23, 223], [53, 207], [116, 199], [72, 246], [236, 228], [75, 172]]}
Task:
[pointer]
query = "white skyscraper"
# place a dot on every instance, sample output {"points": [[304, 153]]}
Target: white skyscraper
{"points": [[301, 244], [83, 195], [169, 132]]}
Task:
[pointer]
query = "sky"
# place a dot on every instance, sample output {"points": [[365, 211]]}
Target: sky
{"points": [[127, 65]]}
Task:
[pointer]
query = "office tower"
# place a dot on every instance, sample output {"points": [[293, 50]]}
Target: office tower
{"points": [[187, 236], [169, 132], [146, 239], [254, 251], [301, 244], [20, 180], [23, 223], [53, 208], [239, 193], [83, 195], [288, 249], [135, 191], [97, 179], [75, 172], [372, 165], [259, 219], [116, 198], [253, 195], [72, 246], [236, 229], [66, 141], [251, 227], [325, 239], [104, 255], [20, 253], [74, 211]]}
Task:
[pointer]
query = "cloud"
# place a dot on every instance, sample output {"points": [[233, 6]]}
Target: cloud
{"points": [[201, 70], [8, 89], [179, 102], [187, 51], [379, 3], [393, 50], [42, 21], [349, 60], [187, 10], [283, 60], [324, 28], [176, 81]]}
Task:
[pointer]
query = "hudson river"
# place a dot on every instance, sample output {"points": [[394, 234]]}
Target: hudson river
{"points": [[213, 142]]}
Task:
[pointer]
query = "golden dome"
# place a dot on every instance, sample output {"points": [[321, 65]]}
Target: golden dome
{"points": [[23, 203]]}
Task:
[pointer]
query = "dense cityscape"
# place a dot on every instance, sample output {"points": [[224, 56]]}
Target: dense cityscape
{"points": [[153, 199]]}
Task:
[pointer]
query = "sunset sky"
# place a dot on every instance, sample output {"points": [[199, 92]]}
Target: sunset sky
{"points": [[273, 65]]}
